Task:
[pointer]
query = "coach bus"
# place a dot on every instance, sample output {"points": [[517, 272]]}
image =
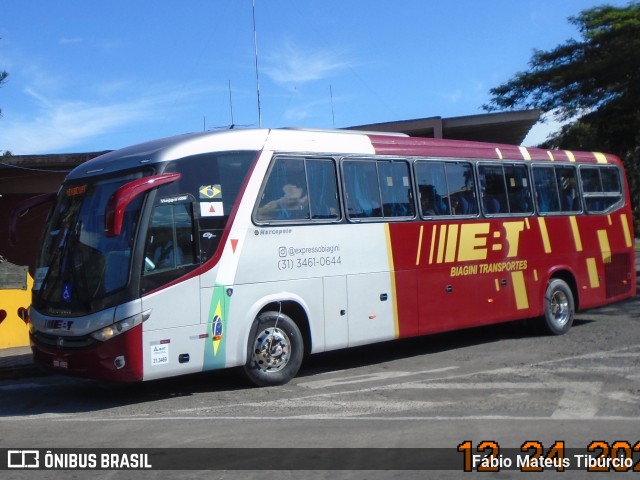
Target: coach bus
{"points": [[255, 247]]}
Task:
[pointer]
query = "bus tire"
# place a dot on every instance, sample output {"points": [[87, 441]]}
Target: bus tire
{"points": [[559, 307], [274, 351]]}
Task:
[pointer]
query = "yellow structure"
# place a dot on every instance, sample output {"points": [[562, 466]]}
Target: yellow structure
{"points": [[14, 331]]}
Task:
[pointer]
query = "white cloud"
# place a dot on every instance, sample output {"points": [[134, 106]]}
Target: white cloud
{"points": [[64, 125], [68, 41], [294, 65]]}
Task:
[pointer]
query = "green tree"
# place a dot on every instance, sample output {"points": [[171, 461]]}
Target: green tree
{"points": [[592, 83]]}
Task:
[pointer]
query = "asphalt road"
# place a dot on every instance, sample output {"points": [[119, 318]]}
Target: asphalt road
{"points": [[504, 384]]}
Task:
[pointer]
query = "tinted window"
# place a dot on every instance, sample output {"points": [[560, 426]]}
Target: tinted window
{"points": [[505, 189], [285, 194], [446, 188], [546, 189], [377, 189], [601, 187], [362, 192], [568, 189], [299, 189], [556, 189], [494, 192], [518, 191], [170, 241], [395, 188], [323, 189]]}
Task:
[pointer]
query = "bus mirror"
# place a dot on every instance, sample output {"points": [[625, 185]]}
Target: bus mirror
{"points": [[22, 208], [114, 210]]}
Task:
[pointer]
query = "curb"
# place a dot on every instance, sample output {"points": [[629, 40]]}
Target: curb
{"points": [[21, 371]]}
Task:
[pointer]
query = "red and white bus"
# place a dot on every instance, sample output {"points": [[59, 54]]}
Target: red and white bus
{"points": [[255, 247]]}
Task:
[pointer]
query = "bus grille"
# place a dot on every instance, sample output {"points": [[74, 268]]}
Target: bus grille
{"points": [[67, 342]]}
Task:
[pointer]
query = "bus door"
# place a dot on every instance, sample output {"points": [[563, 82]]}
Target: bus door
{"points": [[170, 252]]}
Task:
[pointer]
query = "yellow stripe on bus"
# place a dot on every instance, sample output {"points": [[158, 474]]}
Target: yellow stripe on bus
{"points": [[452, 243], [576, 233], [625, 230], [520, 290], [550, 155], [605, 249], [441, 243], [433, 244], [545, 235], [594, 281], [419, 245], [392, 271], [525, 153], [570, 155], [600, 157]]}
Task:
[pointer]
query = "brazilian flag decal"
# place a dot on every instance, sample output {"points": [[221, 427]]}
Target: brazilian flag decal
{"points": [[217, 324], [210, 191]]}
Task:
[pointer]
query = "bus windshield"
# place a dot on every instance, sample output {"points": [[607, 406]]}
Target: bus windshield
{"points": [[79, 264]]}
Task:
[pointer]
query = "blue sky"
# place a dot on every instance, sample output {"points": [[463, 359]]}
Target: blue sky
{"points": [[89, 76]]}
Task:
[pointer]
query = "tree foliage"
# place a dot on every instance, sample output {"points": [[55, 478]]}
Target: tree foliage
{"points": [[592, 83], [3, 78]]}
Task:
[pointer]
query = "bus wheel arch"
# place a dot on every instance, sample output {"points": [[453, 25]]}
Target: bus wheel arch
{"points": [[276, 344], [559, 303]]}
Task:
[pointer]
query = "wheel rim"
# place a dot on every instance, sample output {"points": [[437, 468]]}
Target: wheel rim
{"points": [[559, 308], [271, 349]]}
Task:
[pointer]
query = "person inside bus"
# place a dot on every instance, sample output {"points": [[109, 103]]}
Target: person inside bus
{"points": [[293, 204], [165, 254], [431, 203]]}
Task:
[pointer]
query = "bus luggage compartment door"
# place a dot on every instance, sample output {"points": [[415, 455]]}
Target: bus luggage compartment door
{"points": [[336, 314], [371, 317]]}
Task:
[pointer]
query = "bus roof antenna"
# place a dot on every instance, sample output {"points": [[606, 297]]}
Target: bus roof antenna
{"points": [[255, 48], [231, 107]]}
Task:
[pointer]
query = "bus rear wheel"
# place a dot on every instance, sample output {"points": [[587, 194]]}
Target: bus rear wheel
{"points": [[275, 350], [559, 307]]}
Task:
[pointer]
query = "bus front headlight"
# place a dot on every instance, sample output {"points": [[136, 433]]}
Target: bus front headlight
{"points": [[111, 331]]}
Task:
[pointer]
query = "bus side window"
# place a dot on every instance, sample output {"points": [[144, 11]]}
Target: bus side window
{"points": [[285, 194], [323, 189], [395, 188], [170, 242], [517, 179], [362, 190], [568, 189], [546, 188], [432, 188], [462, 195], [601, 187], [494, 195], [446, 188]]}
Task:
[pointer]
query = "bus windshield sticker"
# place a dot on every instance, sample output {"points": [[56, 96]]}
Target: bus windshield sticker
{"points": [[176, 199], [211, 209], [211, 191]]}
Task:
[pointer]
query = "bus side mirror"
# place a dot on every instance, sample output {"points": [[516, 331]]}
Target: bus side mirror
{"points": [[22, 208], [114, 210]]}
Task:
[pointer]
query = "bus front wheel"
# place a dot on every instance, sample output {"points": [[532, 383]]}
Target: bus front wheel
{"points": [[558, 307], [275, 350]]}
